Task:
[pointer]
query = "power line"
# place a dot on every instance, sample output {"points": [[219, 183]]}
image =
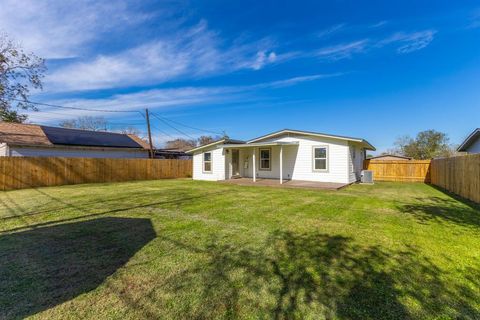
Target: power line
{"points": [[76, 108], [42, 113], [160, 130], [188, 126], [161, 118], [176, 129]]}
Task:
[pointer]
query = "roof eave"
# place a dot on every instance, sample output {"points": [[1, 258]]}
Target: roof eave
{"points": [[267, 144], [369, 146], [205, 146], [25, 145], [468, 141]]}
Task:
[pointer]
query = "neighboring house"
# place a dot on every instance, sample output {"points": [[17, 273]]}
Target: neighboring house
{"points": [[29, 140], [472, 143], [284, 155], [171, 154], [389, 157]]}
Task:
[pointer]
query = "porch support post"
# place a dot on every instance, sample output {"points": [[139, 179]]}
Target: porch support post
{"points": [[281, 164], [254, 169]]}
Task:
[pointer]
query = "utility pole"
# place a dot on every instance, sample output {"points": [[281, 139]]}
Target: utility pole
{"points": [[149, 133]]}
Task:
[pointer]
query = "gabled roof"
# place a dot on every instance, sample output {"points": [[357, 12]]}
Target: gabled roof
{"points": [[35, 135], [255, 142], [470, 140], [315, 134], [23, 134], [214, 143]]}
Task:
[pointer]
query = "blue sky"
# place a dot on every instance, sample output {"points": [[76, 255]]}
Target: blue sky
{"points": [[372, 69]]}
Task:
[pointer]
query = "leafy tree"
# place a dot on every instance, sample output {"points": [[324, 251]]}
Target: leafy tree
{"points": [[426, 145], [19, 73], [86, 123]]}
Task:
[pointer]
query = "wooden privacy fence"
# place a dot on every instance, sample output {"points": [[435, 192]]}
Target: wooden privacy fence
{"points": [[460, 175], [27, 172], [399, 170]]}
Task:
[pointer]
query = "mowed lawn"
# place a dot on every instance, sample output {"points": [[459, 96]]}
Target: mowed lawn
{"points": [[182, 249]]}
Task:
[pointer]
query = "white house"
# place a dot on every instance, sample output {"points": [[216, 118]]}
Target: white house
{"points": [[471, 143], [283, 155], [29, 140]]}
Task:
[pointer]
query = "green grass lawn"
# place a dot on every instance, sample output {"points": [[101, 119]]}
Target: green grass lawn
{"points": [[182, 249]]}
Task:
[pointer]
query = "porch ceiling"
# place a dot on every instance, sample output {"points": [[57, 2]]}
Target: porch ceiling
{"points": [[260, 144]]}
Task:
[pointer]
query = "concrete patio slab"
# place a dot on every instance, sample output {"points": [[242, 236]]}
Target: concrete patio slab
{"points": [[286, 183]]}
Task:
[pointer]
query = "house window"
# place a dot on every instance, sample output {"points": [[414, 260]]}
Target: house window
{"points": [[320, 155], [207, 162], [265, 159], [354, 152]]}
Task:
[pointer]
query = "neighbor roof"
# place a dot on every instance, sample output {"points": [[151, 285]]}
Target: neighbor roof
{"points": [[36, 135], [316, 134], [470, 140], [390, 155], [26, 134]]}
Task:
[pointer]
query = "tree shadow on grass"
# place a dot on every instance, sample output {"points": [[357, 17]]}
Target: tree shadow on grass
{"points": [[44, 267], [314, 275], [451, 209]]}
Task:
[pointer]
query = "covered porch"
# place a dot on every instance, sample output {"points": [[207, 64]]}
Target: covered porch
{"points": [[286, 183], [273, 161]]}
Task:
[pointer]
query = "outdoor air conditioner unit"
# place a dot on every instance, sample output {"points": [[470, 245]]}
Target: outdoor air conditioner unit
{"points": [[367, 176]]}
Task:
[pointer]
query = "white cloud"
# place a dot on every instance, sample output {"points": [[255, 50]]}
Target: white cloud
{"points": [[410, 42], [342, 51], [326, 33], [192, 52], [263, 58], [168, 98], [61, 29], [378, 24], [296, 80]]}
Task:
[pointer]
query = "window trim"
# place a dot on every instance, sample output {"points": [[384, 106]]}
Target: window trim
{"points": [[327, 162], [269, 159], [211, 162]]}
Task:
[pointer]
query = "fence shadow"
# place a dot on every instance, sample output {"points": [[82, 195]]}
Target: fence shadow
{"points": [[47, 266], [314, 275]]}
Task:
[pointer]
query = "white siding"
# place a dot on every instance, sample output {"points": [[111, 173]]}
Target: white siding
{"points": [[474, 147], [355, 163], [289, 159], [218, 165], [4, 150], [16, 151], [298, 160]]}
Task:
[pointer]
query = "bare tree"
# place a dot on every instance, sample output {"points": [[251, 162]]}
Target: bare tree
{"points": [[206, 140], [86, 123], [19, 73], [131, 130], [181, 144]]}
